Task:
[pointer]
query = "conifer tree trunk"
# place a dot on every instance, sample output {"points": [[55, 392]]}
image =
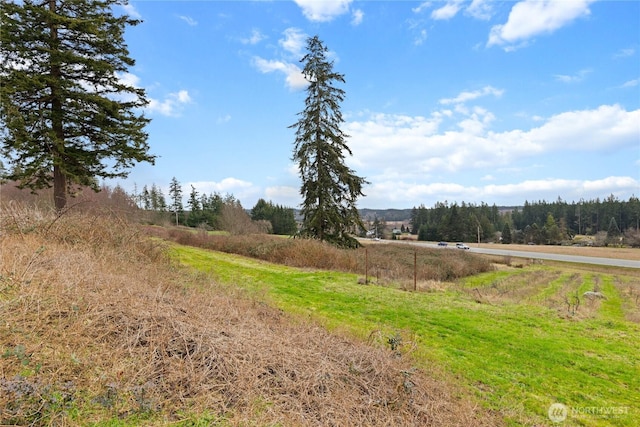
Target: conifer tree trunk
{"points": [[57, 146]]}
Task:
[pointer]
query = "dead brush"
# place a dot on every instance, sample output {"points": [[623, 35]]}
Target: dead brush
{"points": [[630, 291], [388, 263], [100, 324], [514, 289]]}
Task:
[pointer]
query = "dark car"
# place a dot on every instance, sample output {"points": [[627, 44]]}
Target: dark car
{"points": [[442, 243]]}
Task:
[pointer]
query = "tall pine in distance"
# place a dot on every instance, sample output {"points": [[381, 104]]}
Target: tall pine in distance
{"points": [[67, 114], [329, 188]]}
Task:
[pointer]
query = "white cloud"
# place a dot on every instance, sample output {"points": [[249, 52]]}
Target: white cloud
{"points": [[392, 192], [412, 147], [183, 97], [448, 11], [357, 17], [480, 9], [227, 185], [477, 122], [575, 78], [631, 83], [128, 79], [420, 38], [171, 105], [294, 41], [423, 6], [469, 96], [624, 53], [242, 190], [130, 10], [255, 37], [286, 195], [190, 21], [293, 74], [604, 128], [530, 18], [224, 119], [324, 10], [551, 187]]}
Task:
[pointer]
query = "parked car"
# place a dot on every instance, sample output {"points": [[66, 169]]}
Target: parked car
{"points": [[462, 246], [443, 244]]}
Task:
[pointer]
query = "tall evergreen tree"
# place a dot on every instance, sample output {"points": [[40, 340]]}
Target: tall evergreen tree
{"points": [[263, 210], [146, 198], [419, 217], [68, 117], [158, 202], [613, 230], [175, 192], [211, 209], [284, 221], [195, 213], [329, 189], [506, 233]]}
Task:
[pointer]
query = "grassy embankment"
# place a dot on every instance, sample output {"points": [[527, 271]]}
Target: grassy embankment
{"points": [[100, 327], [520, 338]]}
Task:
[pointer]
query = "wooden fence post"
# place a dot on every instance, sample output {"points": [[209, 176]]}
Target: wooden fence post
{"points": [[415, 270], [366, 266]]}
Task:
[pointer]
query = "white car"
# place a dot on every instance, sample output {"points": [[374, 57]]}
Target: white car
{"points": [[462, 246]]}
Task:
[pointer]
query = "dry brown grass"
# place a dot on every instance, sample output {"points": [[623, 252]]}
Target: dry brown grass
{"points": [[97, 324]]}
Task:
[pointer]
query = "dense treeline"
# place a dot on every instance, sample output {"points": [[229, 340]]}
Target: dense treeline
{"points": [[611, 220], [280, 219], [456, 222], [204, 210], [213, 211], [605, 222]]}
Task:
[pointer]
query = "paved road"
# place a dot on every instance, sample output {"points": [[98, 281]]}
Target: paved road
{"points": [[539, 255]]}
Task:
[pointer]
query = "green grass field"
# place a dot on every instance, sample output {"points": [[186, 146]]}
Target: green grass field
{"points": [[520, 339]]}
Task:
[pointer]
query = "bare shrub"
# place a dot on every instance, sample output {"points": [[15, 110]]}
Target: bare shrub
{"points": [[235, 220], [387, 263]]}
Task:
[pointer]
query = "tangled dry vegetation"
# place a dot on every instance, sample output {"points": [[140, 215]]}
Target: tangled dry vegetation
{"points": [[384, 263], [98, 325]]}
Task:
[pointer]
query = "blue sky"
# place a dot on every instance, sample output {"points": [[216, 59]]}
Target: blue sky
{"points": [[475, 101]]}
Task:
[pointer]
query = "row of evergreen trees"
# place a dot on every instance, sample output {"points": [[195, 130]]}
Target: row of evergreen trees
{"points": [[207, 211], [202, 210], [281, 219], [538, 222], [456, 222]]}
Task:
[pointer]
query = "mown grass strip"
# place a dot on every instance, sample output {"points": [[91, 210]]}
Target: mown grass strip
{"points": [[519, 358], [588, 284], [611, 306]]}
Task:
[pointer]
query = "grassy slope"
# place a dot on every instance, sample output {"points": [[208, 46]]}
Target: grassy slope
{"points": [[519, 357], [98, 326]]}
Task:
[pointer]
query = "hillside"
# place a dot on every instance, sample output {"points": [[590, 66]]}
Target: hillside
{"points": [[100, 326]]}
